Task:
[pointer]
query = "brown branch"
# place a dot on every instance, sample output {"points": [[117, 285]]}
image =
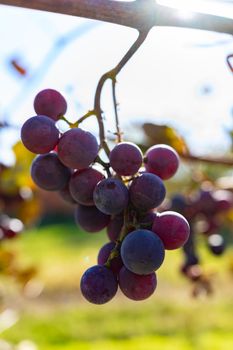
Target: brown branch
{"points": [[136, 14], [115, 105], [112, 75], [208, 160]]}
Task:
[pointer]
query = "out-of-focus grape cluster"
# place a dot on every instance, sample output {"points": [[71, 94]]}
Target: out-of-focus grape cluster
{"points": [[120, 195], [208, 212]]}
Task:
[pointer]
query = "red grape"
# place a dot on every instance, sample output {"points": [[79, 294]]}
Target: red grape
{"points": [[162, 160], [51, 103], [82, 185], [77, 148], [114, 227], [137, 287], [172, 228], [39, 134], [126, 158]]}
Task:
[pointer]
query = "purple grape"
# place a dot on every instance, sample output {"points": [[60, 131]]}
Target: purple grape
{"points": [[137, 287], [82, 185], [77, 148], [126, 158], [142, 252], [39, 134], [51, 103], [98, 285], [104, 253], [172, 228], [161, 160], [114, 227], [111, 196], [90, 219], [147, 192], [49, 173]]}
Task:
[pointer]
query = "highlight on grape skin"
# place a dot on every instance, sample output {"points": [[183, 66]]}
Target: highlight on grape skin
{"points": [[98, 285], [51, 103], [142, 252], [49, 173], [172, 228], [39, 134], [161, 160], [77, 148], [126, 158]]}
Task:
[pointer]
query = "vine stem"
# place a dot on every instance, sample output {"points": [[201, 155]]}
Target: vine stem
{"points": [[115, 104], [112, 75]]}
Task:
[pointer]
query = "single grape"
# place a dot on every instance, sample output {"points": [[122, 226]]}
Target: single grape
{"points": [[77, 148], [126, 158], [82, 185], [51, 103], [137, 287], [142, 252], [114, 227], [147, 192], [49, 173], [161, 160], [111, 196], [90, 219], [115, 264], [178, 203], [172, 228], [98, 285], [216, 244], [39, 134]]}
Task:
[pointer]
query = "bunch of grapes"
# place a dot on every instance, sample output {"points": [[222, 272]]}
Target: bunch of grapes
{"points": [[122, 196]]}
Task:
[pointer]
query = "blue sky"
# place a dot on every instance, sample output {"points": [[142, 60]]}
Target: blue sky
{"points": [[178, 76]]}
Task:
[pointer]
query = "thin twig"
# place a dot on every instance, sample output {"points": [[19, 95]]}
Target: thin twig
{"points": [[115, 104]]}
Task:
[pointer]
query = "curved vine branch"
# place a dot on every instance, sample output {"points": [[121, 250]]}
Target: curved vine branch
{"points": [[112, 75]]}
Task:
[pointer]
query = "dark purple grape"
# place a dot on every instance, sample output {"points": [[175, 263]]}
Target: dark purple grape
{"points": [[142, 252], [114, 227], [137, 287], [65, 194], [161, 160], [82, 185], [115, 264], [98, 285], [51, 103], [49, 173], [39, 134], [216, 244], [111, 196], [178, 203], [172, 228], [77, 148], [90, 219], [147, 192], [126, 158]]}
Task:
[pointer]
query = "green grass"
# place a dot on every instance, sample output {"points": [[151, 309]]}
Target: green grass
{"points": [[60, 319]]}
